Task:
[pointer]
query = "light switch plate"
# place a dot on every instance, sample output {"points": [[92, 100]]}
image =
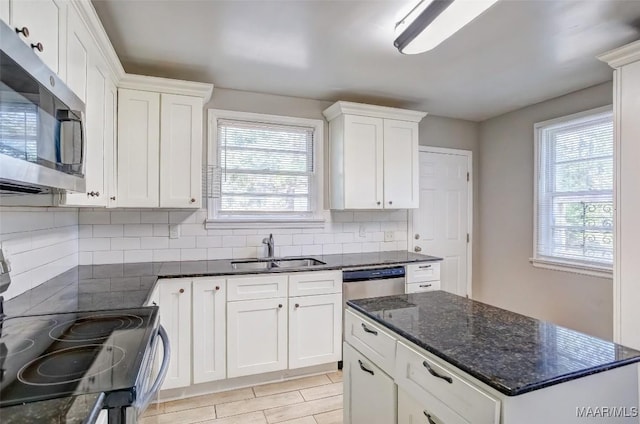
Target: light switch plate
{"points": [[174, 231], [388, 236]]}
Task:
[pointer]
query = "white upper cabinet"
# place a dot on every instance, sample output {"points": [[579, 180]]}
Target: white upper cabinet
{"points": [[160, 142], [181, 151], [79, 46], [138, 148], [373, 155], [39, 23]]}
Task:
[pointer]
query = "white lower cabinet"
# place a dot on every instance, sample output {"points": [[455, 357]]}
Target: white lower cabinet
{"points": [[369, 393], [256, 336], [209, 319], [412, 411], [315, 335], [174, 297]]}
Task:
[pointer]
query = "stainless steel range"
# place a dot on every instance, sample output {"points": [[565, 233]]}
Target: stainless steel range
{"points": [[55, 355]]}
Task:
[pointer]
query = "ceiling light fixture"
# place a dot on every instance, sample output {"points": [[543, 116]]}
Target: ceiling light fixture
{"points": [[431, 22]]}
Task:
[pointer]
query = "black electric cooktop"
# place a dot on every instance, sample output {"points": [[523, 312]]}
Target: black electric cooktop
{"points": [[49, 356]]}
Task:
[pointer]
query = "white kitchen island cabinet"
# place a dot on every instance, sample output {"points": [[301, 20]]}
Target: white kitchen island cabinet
{"points": [[509, 369], [373, 156]]}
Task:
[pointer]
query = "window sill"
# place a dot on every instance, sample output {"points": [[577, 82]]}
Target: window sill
{"points": [[211, 224], [574, 267]]}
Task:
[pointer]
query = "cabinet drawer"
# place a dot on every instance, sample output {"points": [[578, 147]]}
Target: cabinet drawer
{"points": [[418, 375], [424, 286], [371, 340], [426, 410], [423, 272], [316, 282], [256, 287]]}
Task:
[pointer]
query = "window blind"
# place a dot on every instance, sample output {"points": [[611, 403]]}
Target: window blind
{"points": [[265, 169], [19, 130], [575, 190]]}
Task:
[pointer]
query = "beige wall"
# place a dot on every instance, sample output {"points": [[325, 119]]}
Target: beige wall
{"points": [[438, 131], [503, 275]]}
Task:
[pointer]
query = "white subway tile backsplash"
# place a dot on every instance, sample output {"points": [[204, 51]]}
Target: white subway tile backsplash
{"points": [[234, 241], [138, 230], [153, 217], [125, 217], [164, 255], [85, 258], [125, 243], [115, 230], [131, 256], [94, 244], [344, 231], [110, 257]]}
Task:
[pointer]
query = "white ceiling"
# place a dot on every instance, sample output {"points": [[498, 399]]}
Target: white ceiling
{"points": [[519, 52]]}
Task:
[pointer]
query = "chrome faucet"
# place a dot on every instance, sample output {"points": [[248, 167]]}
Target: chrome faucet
{"points": [[270, 245]]}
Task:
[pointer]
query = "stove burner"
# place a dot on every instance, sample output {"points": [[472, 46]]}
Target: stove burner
{"points": [[71, 364], [94, 327]]}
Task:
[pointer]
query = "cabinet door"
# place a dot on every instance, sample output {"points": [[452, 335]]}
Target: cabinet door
{"points": [[369, 393], [79, 47], [363, 162], [175, 316], [95, 194], [400, 164], [209, 319], [410, 411], [138, 148], [110, 129], [256, 336], [315, 330], [180, 151], [43, 19]]}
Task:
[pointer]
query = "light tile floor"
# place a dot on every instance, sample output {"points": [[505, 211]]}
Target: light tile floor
{"points": [[308, 400]]}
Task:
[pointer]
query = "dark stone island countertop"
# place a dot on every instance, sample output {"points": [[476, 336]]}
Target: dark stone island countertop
{"points": [[114, 286], [512, 353], [79, 409]]}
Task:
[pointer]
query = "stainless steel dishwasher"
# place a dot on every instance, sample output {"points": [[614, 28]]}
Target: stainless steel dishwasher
{"points": [[372, 282]]}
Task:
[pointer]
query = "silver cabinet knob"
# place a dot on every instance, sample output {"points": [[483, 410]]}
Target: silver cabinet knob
{"points": [[417, 236], [113, 198], [417, 249]]}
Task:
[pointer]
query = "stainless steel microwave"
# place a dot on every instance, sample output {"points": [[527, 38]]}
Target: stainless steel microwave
{"points": [[42, 137]]}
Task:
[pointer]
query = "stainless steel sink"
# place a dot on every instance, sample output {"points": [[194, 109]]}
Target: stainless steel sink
{"points": [[267, 264], [297, 263], [253, 265]]}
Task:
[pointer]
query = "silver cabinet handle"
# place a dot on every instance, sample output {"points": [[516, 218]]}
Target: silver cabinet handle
{"points": [[435, 374], [429, 417], [365, 369], [368, 330], [425, 267], [425, 285], [417, 249]]}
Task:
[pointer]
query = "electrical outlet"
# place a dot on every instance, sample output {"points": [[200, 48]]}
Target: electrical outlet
{"points": [[362, 231], [388, 236], [174, 231]]}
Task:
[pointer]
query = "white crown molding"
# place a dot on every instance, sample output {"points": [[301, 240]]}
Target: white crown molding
{"points": [[166, 85], [350, 108], [91, 19], [622, 55]]}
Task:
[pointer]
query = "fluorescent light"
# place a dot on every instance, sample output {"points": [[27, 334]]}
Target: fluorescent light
{"points": [[431, 22]]}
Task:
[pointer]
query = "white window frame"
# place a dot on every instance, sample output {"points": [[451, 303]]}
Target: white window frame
{"points": [[315, 220], [554, 263]]}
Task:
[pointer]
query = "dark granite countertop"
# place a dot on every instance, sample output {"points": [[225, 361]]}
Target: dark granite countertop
{"points": [[510, 352], [80, 409], [96, 287]]}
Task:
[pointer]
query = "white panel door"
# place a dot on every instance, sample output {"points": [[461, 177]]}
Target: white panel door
{"points": [[180, 151], [441, 223], [43, 20], [175, 317], [400, 164], [369, 393], [315, 330], [256, 336], [97, 83], [138, 148], [363, 162], [209, 326]]}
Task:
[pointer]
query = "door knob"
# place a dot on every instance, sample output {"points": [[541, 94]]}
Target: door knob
{"points": [[417, 249]]}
